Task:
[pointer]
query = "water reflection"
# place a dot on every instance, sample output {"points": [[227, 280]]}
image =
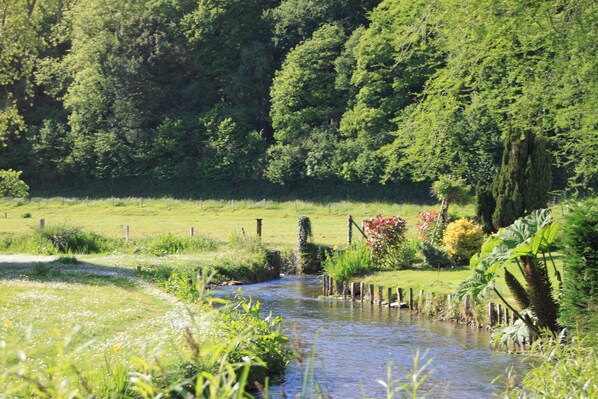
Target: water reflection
{"points": [[355, 342]]}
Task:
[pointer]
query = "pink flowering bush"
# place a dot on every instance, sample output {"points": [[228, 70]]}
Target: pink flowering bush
{"points": [[386, 240], [427, 224]]}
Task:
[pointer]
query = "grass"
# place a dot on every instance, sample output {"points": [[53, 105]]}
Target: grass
{"points": [[93, 327], [441, 282], [216, 219]]}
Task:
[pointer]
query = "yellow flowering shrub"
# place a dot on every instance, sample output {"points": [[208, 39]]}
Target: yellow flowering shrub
{"points": [[462, 239]]}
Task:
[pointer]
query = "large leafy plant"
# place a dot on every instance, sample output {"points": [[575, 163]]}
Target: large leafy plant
{"points": [[526, 243]]}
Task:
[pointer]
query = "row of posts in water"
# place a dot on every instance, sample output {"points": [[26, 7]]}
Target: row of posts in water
{"points": [[496, 314]]}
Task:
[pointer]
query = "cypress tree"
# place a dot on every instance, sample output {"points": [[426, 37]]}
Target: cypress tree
{"points": [[485, 205], [524, 179]]}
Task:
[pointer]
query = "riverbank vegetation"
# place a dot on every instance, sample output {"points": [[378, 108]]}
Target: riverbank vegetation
{"points": [[91, 327]]}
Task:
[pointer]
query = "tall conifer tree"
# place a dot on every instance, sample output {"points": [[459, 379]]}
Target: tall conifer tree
{"points": [[524, 179]]}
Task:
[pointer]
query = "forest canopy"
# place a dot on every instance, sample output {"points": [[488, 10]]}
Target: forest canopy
{"points": [[296, 91]]}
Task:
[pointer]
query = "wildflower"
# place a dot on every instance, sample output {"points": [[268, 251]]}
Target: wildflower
{"points": [[335, 248], [7, 323], [116, 347]]}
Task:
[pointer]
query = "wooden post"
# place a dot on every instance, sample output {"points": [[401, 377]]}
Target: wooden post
{"points": [[399, 296], [361, 291], [491, 314], [259, 228], [344, 289], [42, 223], [498, 313], [506, 317], [371, 293], [389, 295], [380, 289], [232, 202], [410, 298], [126, 233], [353, 290], [350, 230]]}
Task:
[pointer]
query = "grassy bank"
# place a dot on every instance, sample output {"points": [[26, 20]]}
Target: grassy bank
{"points": [[216, 219], [93, 328]]}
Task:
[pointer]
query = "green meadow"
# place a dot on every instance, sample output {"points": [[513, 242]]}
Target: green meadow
{"points": [[216, 219]]}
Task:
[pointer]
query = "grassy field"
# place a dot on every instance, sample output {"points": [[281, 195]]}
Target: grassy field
{"points": [[217, 219], [90, 327]]}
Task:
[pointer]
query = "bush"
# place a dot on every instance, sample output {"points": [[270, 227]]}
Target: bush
{"points": [[581, 273], [26, 215], [11, 184], [68, 239], [385, 238], [434, 256], [355, 261], [462, 239]]}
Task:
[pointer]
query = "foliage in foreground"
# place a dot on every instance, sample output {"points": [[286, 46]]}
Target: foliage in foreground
{"points": [[213, 361], [581, 263], [561, 371], [527, 243]]}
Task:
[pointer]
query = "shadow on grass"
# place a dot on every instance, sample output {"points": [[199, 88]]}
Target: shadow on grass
{"points": [[64, 269]]}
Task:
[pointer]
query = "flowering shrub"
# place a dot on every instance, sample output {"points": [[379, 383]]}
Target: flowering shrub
{"points": [[462, 240], [426, 226], [385, 239]]}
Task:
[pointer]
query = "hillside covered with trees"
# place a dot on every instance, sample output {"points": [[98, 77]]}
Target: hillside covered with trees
{"points": [[300, 91]]}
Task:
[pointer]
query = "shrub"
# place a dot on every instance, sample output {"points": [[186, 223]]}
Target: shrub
{"points": [[168, 243], [385, 236], [355, 261], [462, 239], [429, 228], [581, 273], [68, 239], [26, 215], [434, 256], [11, 184]]}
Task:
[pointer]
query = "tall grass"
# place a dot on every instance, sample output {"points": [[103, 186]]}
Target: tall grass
{"points": [[356, 260]]}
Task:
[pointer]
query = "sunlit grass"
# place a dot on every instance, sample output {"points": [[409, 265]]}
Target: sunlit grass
{"points": [[217, 219]]}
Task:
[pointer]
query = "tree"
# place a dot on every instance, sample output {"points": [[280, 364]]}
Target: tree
{"points": [[11, 184], [306, 106], [524, 179]]}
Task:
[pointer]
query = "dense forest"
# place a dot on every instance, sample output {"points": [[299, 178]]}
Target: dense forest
{"points": [[299, 91]]}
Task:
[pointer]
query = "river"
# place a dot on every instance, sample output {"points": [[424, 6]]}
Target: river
{"points": [[354, 343]]}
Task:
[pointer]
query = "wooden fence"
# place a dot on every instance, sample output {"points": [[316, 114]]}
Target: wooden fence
{"points": [[430, 303]]}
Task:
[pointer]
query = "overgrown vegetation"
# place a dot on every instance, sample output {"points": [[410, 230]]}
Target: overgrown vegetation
{"points": [[580, 288], [356, 260]]}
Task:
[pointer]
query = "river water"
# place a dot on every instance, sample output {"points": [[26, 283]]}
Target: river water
{"points": [[354, 343]]}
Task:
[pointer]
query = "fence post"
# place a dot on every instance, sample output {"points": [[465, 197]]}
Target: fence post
{"points": [[410, 298], [353, 290], [491, 314], [389, 295], [42, 224], [399, 296], [371, 293], [259, 228], [350, 230], [127, 233], [380, 289], [191, 232], [361, 291]]}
